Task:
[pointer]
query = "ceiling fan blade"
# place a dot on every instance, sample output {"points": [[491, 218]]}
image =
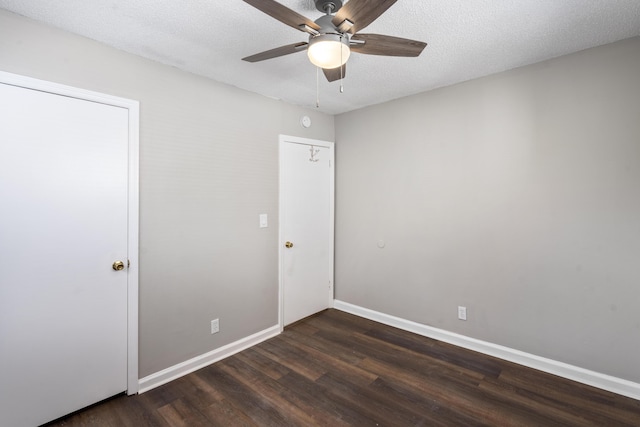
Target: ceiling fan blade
{"points": [[279, 51], [377, 44], [333, 74], [361, 13], [283, 14]]}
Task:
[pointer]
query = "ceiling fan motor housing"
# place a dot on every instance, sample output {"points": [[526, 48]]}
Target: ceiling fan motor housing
{"points": [[328, 31], [328, 6]]}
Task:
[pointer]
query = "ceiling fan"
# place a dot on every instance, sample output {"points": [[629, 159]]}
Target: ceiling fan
{"points": [[335, 35]]}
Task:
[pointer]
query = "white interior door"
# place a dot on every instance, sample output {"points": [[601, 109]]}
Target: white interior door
{"points": [[306, 227], [63, 223]]}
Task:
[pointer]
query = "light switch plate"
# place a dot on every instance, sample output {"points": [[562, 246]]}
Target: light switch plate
{"points": [[264, 223]]}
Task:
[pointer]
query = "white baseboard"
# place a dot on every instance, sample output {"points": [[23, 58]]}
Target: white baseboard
{"points": [[181, 369], [575, 373]]}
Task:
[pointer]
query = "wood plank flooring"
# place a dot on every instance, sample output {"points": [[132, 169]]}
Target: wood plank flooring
{"points": [[335, 369]]}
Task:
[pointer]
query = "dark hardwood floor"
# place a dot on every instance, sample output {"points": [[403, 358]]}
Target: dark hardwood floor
{"points": [[335, 369]]}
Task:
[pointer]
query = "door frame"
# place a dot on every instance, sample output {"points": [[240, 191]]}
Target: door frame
{"points": [[282, 140], [133, 199]]}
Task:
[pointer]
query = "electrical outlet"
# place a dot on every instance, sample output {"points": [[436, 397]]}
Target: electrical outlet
{"points": [[462, 312], [215, 326]]}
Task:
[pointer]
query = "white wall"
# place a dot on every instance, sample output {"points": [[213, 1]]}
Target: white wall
{"points": [[515, 195], [208, 168]]}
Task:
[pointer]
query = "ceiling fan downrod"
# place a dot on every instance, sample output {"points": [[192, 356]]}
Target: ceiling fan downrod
{"points": [[328, 6]]}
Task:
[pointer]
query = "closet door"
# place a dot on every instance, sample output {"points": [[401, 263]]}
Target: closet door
{"points": [[63, 254]]}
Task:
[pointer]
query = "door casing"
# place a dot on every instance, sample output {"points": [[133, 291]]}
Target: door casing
{"points": [[132, 202]]}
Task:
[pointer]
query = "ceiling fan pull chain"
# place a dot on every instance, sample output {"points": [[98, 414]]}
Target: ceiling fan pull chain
{"points": [[341, 67], [317, 87]]}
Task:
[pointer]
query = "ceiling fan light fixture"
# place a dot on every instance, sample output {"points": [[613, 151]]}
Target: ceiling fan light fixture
{"points": [[329, 50]]}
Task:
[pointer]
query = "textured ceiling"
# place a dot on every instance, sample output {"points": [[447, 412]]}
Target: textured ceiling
{"points": [[466, 39]]}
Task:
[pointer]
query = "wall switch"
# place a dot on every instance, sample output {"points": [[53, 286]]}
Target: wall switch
{"points": [[215, 326], [263, 221], [462, 313]]}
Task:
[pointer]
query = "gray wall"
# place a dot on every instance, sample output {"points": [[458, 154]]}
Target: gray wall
{"points": [[515, 195], [208, 167]]}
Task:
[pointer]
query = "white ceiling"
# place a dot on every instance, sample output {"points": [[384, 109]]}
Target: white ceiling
{"points": [[466, 39]]}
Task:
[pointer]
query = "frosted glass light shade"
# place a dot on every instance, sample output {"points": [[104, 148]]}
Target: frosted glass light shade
{"points": [[328, 51]]}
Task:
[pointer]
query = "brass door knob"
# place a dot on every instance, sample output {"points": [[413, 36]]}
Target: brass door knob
{"points": [[288, 245], [118, 265]]}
